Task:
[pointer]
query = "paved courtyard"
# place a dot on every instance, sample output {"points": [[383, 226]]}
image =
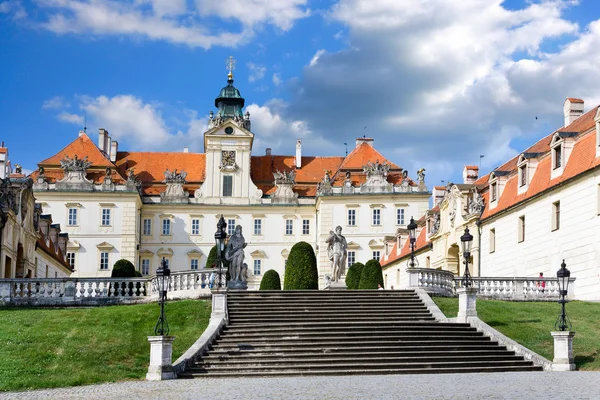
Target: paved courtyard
{"points": [[513, 385]]}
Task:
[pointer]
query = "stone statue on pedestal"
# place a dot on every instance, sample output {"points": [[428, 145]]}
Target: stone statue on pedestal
{"points": [[234, 254], [337, 253]]}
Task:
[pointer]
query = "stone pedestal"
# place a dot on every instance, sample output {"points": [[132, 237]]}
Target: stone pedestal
{"points": [[336, 286], [219, 305], [563, 351], [467, 298], [161, 364], [237, 285]]}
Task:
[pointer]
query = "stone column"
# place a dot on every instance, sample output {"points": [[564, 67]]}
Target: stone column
{"points": [[413, 278], [219, 305], [161, 353], [467, 298], [563, 351]]}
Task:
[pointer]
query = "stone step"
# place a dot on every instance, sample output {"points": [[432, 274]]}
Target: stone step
{"points": [[398, 334], [319, 293], [357, 347], [249, 320], [341, 312], [337, 299], [344, 328], [324, 305], [355, 340], [336, 324]]}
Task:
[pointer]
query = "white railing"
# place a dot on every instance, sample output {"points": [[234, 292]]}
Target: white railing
{"points": [[100, 291], [509, 288]]}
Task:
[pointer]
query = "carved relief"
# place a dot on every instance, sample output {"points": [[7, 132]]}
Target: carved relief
{"points": [[324, 187], [174, 192], [476, 203], [75, 174], [376, 178], [283, 184]]}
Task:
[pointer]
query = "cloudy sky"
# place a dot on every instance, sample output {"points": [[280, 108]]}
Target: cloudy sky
{"points": [[437, 83]]}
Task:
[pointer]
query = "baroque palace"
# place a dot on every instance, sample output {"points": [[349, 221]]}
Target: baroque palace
{"points": [[526, 216], [146, 206]]}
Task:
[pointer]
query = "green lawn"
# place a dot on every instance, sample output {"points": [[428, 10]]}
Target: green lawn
{"points": [[530, 323], [43, 348]]}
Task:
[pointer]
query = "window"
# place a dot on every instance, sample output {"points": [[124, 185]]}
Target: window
{"points": [[104, 260], [492, 240], [494, 191], [376, 255], [557, 156], [258, 226], [230, 227], [195, 226], [400, 216], [523, 175], [72, 217], [106, 217], [351, 258], [376, 216], [556, 215], [194, 263], [257, 265], [166, 227], [521, 228], [305, 227], [147, 228], [227, 185], [71, 260], [145, 267], [351, 217], [289, 227]]}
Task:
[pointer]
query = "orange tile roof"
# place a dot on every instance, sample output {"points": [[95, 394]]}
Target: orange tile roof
{"points": [[82, 146], [57, 255], [312, 169], [3, 150], [420, 244], [472, 167], [574, 100], [363, 154]]}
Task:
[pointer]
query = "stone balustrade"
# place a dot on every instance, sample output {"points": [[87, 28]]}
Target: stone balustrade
{"points": [[101, 291], [445, 283]]}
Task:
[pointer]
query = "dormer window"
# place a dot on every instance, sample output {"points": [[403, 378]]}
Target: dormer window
{"points": [[557, 157], [494, 190], [522, 175]]}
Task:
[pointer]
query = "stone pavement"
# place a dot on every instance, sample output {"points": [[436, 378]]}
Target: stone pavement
{"points": [[510, 385]]}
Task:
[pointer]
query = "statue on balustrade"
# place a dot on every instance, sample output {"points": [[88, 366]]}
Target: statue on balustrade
{"points": [[234, 255], [337, 253]]}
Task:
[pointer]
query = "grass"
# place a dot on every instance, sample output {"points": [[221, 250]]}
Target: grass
{"points": [[530, 323], [45, 348]]}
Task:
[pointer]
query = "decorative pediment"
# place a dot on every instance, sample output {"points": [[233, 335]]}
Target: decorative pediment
{"points": [[162, 252], [375, 243], [73, 245], [285, 253], [75, 170], [284, 181], [194, 253], [174, 192], [146, 253], [239, 126], [376, 178], [353, 245], [105, 246], [258, 254]]}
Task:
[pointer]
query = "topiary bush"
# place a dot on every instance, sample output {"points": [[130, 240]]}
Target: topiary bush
{"points": [[123, 269], [212, 257], [270, 281], [353, 275], [371, 275], [301, 271]]}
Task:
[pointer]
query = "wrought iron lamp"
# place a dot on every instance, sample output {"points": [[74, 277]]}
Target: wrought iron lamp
{"points": [[220, 237], [466, 240], [412, 234], [563, 323], [163, 275]]}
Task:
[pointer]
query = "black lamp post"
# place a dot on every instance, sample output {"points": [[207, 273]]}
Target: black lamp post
{"points": [[563, 323], [412, 234], [220, 236], [163, 275], [466, 240]]}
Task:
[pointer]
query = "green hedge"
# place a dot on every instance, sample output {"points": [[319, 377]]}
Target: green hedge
{"points": [[371, 275], [270, 281], [123, 269], [212, 257], [301, 271], [353, 275]]}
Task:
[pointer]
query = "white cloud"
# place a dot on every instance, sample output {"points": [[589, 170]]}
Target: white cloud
{"points": [[316, 57], [14, 8], [71, 118], [277, 79], [175, 21], [55, 103], [257, 71]]}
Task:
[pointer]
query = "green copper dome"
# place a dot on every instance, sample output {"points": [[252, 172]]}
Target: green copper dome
{"points": [[230, 102]]}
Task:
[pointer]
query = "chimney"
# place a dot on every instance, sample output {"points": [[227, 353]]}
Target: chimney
{"points": [[366, 140], [63, 239], [114, 147], [438, 194], [3, 161], [81, 132], [186, 150], [108, 146], [573, 109], [268, 151], [470, 173], [298, 153], [102, 134]]}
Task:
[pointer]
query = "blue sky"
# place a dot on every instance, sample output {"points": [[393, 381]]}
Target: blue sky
{"points": [[436, 82]]}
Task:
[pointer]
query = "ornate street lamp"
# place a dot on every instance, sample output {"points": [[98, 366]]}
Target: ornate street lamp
{"points": [[563, 323], [163, 275], [466, 240], [412, 234], [220, 237]]}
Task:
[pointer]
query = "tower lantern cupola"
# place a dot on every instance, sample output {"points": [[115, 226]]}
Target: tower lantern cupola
{"points": [[230, 102]]}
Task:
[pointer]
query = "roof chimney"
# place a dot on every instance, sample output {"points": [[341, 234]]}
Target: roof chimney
{"points": [[4, 162], [573, 109], [102, 134], [438, 194], [81, 132], [108, 146], [470, 173], [366, 140], [186, 150], [298, 153], [268, 151], [113, 150]]}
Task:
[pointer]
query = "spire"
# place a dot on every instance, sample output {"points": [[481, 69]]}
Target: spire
{"points": [[230, 102], [230, 63]]}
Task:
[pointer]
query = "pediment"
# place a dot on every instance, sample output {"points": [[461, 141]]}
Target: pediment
{"points": [[555, 139], [162, 252], [375, 243], [222, 131], [353, 245], [105, 246], [194, 253], [258, 254]]}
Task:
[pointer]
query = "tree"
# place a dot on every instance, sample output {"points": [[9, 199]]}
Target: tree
{"points": [[353, 275], [301, 271], [123, 269], [212, 257], [371, 275], [270, 281]]}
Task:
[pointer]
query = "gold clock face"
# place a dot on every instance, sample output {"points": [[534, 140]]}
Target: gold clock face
{"points": [[228, 158]]}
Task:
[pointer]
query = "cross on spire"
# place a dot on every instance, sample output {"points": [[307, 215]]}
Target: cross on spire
{"points": [[230, 63]]}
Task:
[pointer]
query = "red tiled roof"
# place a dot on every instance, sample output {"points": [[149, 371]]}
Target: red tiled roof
{"points": [[420, 244], [362, 154], [56, 255], [472, 167], [82, 146], [3, 150], [312, 169], [574, 100]]}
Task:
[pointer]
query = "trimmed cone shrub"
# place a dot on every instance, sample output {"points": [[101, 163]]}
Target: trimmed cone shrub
{"points": [[270, 281], [353, 275], [212, 257], [371, 275], [123, 269], [301, 271]]}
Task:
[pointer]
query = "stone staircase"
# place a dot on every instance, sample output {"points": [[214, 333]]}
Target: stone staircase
{"points": [[275, 333]]}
